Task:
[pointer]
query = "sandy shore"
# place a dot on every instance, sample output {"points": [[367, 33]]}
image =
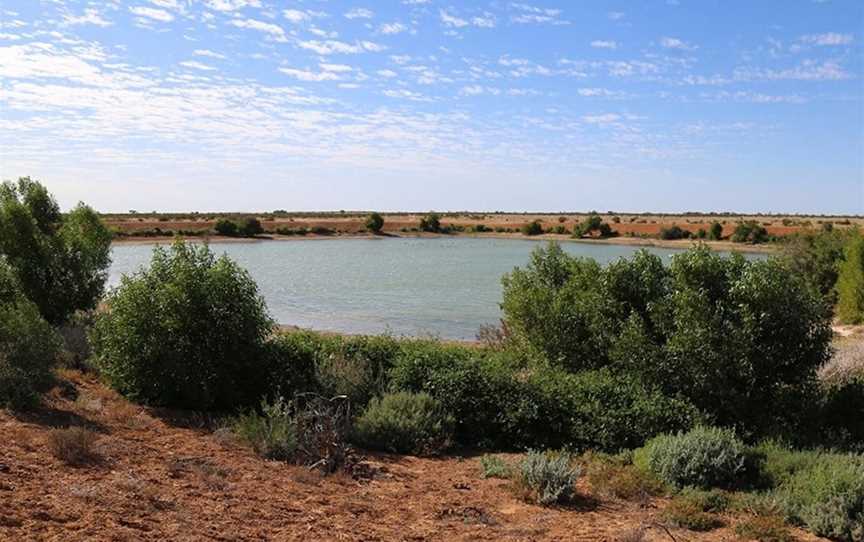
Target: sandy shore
{"points": [[629, 241]]}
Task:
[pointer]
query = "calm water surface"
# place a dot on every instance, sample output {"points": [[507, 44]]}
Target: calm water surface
{"points": [[446, 287]]}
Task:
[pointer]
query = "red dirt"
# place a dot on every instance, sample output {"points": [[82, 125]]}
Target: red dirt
{"points": [[166, 481]]}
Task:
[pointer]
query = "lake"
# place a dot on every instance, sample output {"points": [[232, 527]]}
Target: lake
{"points": [[446, 287]]}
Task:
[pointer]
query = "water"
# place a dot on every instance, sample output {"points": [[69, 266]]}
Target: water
{"points": [[446, 287]]}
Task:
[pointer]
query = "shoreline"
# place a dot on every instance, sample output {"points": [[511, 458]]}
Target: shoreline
{"points": [[681, 244]]}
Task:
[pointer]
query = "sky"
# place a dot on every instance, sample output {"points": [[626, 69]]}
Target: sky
{"points": [[256, 105]]}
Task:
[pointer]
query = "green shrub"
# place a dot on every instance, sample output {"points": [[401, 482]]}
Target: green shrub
{"points": [[674, 232], [28, 345], [226, 227], [270, 432], [405, 423], [431, 223], [60, 261], [816, 258], [715, 233], [850, 283], [827, 497], [704, 457], [609, 476], [492, 466], [764, 529], [687, 514], [188, 332], [548, 477], [374, 223], [750, 232], [716, 501], [532, 228]]}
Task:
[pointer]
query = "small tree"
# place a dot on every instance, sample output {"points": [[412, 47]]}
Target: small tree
{"points": [[850, 283], [60, 261], [187, 332], [226, 227], [431, 223], [375, 223], [716, 232], [532, 228], [250, 227]]}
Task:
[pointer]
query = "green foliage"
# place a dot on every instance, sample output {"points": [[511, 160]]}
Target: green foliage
{"points": [[704, 457], [187, 332], [250, 227], [674, 232], [270, 432], [60, 261], [816, 257], [28, 345], [493, 466], [226, 227], [431, 223], [715, 233], [687, 514], [405, 423], [532, 228], [764, 529], [827, 496], [593, 223], [375, 223], [850, 283], [741, 340], [548, 477], [610, 476], [750, 232]]}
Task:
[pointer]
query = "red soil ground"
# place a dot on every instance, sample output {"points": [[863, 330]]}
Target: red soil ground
{"points": [[163, 478]]}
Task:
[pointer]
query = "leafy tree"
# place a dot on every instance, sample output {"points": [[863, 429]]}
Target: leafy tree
{"points": [[591, 224], [226, 227], [187, 332], [59, 260], [817, 257], [850, 283], [431, 223], [28, 344], [674, 232], [750, 232], [532, 228], [716, 232], [250, 227], [375, 223]]}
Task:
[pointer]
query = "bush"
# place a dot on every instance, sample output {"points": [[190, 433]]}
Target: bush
{"points": [[405, 423], [816, 258], [250, 227], [60, 261], [750, 232], [687, 514], [704, 457], [674, 232], [532, 228], [374, 223], [188, 332], [764, 529], [73, 446], [609, 476], [271, 433], [827, 497], [226, 227], [492, 466], [850, 283], [431, 223], [548, 477], [715, 233], [28, 345]]}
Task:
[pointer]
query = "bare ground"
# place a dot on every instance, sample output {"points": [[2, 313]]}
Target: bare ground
{"points": [[160, 476]]}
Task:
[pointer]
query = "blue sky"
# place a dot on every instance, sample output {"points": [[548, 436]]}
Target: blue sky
{"points": [[666, 105]]}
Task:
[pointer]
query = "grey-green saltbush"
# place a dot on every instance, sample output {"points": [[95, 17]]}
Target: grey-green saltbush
{"points": [[405, 423], [704, 457], [550, 477]]}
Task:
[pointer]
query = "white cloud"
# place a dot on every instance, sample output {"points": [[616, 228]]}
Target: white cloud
{"points": [[338, 68], [604, 44], [329, 47], [392, 28], [268, 28], [232, 5], [152, 13], [295, 15], [208, 53], [675, 43], [406, 95], [360, 13], [90, 16], [196, 65], [451, 20], [387, 73], [304, 75], [528, 14], [829, 38], [606, 118]]}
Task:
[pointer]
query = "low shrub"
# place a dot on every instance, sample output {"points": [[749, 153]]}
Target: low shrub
{"points": [[74, 446], [764, 529], [493, 466], [270, 432], [685, 513], [374, 222], [547, 477], [704, 457], [674, 232], [850, 283], [608, 476], [532, 228], [827, 497], [716, 501], [28, 346], [405, 423], [187, 332]]}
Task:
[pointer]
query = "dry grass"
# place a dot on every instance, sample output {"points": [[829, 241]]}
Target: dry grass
{"points": [[848, 360], [74, 446], [764, 529], [611, 479]]}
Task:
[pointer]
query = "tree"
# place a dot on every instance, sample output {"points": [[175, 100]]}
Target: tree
{"points": [[60, 261], [532, 228], [850, 283], [749, 232], [375, 223], [187, 332], [226, 227], [716, 232], [431, 223], [250, 227]]}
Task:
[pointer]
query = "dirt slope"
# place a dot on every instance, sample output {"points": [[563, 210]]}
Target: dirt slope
{"points": [[160, 479]]}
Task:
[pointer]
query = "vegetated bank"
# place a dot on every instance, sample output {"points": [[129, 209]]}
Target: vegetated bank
{"points": [[698, 381]]}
